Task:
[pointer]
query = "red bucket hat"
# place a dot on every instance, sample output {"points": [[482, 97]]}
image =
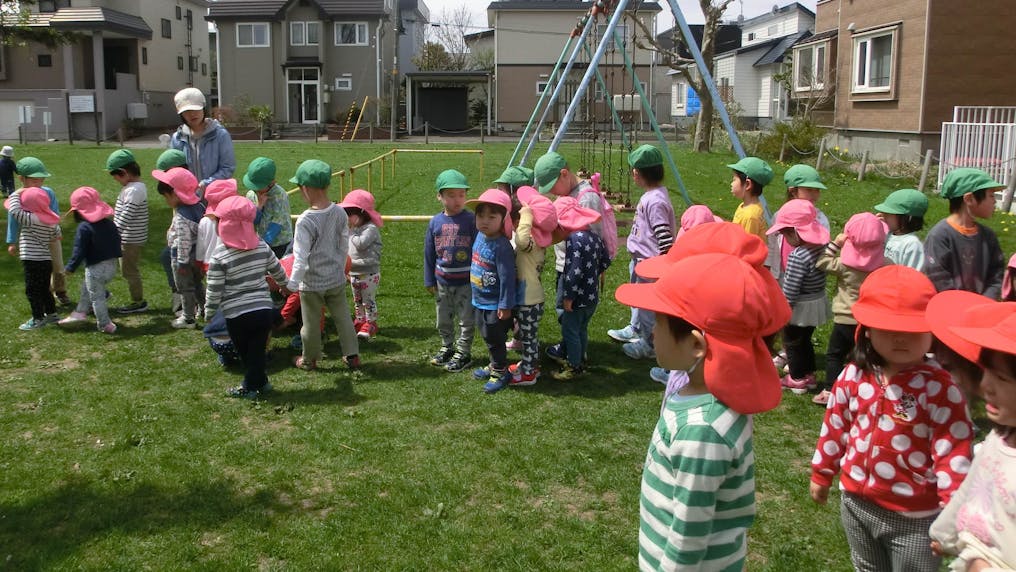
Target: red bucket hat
{"points": [[801, 216], [544, 214], [363, 200], [217, 191], [722, 237], [36, 201], [87, 202], [236, 222], [959, 308], [998, 335], [865, 245], [572, 217], [501, 199], [894, 298], [694, 216], [734, 306], [184, 184]]}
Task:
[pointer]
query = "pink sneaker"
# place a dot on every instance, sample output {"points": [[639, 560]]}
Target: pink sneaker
{"points": [[73, 318], [514, 345], [109, 328], [799, 386]]}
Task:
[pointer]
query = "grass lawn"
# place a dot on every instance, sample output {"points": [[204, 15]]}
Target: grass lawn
{"points": [[122, 452]]}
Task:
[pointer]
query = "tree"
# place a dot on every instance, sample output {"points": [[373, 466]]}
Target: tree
{"points": [[451, 32], [433, 57], [810, 92], [16, 18], [713, 11]]}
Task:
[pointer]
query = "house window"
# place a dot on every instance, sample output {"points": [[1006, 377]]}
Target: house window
{"points": [[540, 87], [343, 84], [304, 33], [751, 36], [193, 63], [179, 62], [144, 56], [809, 68], [45, 60], [179, 13], [204, 69], [773, 30], [873, 61], [167, 28], [53, 5], [254, 35], [351, 33]]}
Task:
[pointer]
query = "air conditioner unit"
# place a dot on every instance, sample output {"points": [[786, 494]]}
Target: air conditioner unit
{"points": [[137, 111], [628, 102]]}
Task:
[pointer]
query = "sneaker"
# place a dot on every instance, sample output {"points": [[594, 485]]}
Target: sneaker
{"points": [[133, 308], [182, 323], [366, 331], [73, 318], [568, 373], [780, 360], [659, 375], [514, 345], [482, 373], [624, 335], [497, 381], [352, 362], [303, 364], [358, 323], [459, 362], [241, 393], [31, 324], [51, 319], [557, 353], [64, 299], [520, 379], [799, 386], [822, 398], [442, 357], [639, 349], [109, 328]]}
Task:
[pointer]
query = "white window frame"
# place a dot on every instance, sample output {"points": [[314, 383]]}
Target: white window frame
{"points": [[364, 41], [304, 30], [544, 83], [343, 84], [817, 80], [253, 36], [865, 40]]}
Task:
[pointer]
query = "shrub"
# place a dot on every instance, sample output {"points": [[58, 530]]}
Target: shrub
{"points": [[803, 138]]}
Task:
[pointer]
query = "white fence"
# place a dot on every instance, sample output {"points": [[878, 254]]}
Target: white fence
{"points": [[980, 137]]}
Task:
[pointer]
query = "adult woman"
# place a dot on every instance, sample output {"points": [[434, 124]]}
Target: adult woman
{"points": [[205, 142]]}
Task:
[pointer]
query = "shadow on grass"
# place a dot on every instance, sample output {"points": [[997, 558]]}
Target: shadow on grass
{"points": [[342, 392], [46, 530], [609, 374]]}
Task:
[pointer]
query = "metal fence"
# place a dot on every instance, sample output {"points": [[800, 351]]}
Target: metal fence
{"points": [[983, 137], [983, 114]]}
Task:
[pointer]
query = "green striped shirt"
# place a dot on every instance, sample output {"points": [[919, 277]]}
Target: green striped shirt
{"points": [[698, 488]]}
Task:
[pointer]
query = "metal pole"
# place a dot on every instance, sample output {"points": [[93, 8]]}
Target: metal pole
{"points": [[925, 169], [864, 167], [821, 152], [539, 102], [426, 132]]}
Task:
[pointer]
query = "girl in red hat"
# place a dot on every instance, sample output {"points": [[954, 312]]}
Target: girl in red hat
{"points": [[896, 429]]}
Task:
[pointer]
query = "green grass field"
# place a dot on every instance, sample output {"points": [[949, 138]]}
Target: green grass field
{"points": [[122, 452]]}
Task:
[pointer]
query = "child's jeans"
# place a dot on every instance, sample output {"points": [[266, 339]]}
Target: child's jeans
{"points": [[575, 331], [93, 290], [494, 332], [528, 318], [37, 277], [166, 258], [311, 304], [249, 333], [129, 265], [455, 302], [187, 282], [642, 321], [800, 352], [365, 296]]}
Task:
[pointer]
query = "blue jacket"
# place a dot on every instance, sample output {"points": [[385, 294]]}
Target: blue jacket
{"points": [[215, 159], [13, 228], [492, 273], [93, 243]]}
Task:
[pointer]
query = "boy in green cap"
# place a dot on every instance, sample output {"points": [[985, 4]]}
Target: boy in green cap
{"points": [[514, 177], [959, 252], [131, 218], [447, 256], [903, 212], [750, 176], [273, 223], [320, 247]]}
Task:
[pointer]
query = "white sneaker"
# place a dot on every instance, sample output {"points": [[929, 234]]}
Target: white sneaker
{"points": [[639, 349], [624, 335], [182, 323], [659, 375]]}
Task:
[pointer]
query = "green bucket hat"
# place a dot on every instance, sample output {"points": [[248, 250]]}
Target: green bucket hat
{"points": [[450, 179], [260, 174], [547, 170], [755, 169], [803, 176], [313, 173], [119, 159], [516, 176], [957, 183], [31, 167], [645, 156], [171, 158], [910, 202]]}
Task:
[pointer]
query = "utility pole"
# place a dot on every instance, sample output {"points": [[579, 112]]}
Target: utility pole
{"points": [[397, 18]]}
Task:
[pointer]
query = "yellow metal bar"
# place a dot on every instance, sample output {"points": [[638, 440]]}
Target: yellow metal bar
{"points": [[480, 151], [358, 119], [383, 158]]}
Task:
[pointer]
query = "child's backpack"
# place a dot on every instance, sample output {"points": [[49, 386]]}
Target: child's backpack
{"points": [[609, 220]]}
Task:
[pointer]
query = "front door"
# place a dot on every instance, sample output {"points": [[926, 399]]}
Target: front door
{"points": [[303, 94]]}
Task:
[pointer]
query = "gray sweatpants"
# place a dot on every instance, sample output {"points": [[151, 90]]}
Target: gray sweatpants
{"points": [[455, 302], [882, 540]]}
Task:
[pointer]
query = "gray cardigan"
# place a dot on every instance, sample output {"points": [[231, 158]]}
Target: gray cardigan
{"points": [[365, 249]]}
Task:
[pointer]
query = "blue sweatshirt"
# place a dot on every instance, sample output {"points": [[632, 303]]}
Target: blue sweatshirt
{"points": [[94, 242], [13, 228], [447, 249], [492, 273], [585, 259]]}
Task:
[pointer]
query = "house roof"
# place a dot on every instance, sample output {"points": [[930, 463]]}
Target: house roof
{"points": [[97, 18], [478, 35], [728, 38], [777, 11], [776, 53], [571, 5], [828, 34], [272, 9]]}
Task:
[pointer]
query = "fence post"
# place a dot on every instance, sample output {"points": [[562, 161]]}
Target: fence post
{"points": [[677, 133], [482, 140], [1010, 187], [370, 131], [925, 169], [821, 152], [783, 147], [426, 132], [864, 167]]}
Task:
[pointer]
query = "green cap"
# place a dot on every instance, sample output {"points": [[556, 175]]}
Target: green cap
{"points": [[260, 174], [957, 183], [645, 156], [171, 158], [547, 170], [910, 202], [313, 173], [803, 176], [450, 179], [755, 169], [516, 176], [31, 167], [119, 159]]}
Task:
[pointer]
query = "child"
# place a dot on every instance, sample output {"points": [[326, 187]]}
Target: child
{"points": [[803, 182], [97, 244], [320, 247], [979, 523], [804, 287], [652, 233], [38, 228], [903, 211], [694, 216], [537, 221], [955, 308], [513, 178], [447, 253], [698, 486], [236, 285], [851, 257], [492, 278], [7, 170], [131, 219], [178, 187], [273, 222], [750, 176], [167, 160], [553, 176], [959, 252], [578, 291], [896, 429], [208, 236], [365, 259]]}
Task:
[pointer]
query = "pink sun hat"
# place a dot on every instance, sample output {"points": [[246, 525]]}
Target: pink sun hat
{"points": [[363, 200], [501, 199], [184, 184], [87, 202], [801, 216], [864, 248], [36, 201], [694, 216], [572, 217], [218, 191], [544, 214], [236, 222]]}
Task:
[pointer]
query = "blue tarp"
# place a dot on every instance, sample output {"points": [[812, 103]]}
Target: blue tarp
{"points": [[692, 103]]}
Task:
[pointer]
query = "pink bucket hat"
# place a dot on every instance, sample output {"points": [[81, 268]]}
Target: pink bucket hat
{"points": [[89, 204], [694, 216], [236, 222], [363, 200], [218, 191], [544, 215], [572, 217], [501, 199], [36, 201], [801, 216], [865, 245], [184, 184]]}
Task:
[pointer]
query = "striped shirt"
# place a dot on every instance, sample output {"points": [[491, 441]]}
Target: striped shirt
{"points": [[236, 280], [698, 487], [131, 213], [34, 236], [185, 230], [320, 246], [802, 278]]}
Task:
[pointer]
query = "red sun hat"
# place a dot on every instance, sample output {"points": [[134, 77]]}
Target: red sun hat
{"points": [[544, 214], [36, 201], [694, 216], [501, 199], [894, 298], [363, 200], [719, 237], [236, 222], [573, 217], [801, 216], [864, 248], [87, 202], [999, 334], [217, 191], [959, 308], [185, 185], [734, 306]]}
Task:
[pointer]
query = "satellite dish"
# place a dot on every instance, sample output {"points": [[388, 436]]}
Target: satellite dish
{"points": [[776, 9], [740, 18]]}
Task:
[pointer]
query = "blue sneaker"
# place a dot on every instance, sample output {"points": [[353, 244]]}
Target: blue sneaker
{"points": [[497, 381], [481, 373], [557, 353]]}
